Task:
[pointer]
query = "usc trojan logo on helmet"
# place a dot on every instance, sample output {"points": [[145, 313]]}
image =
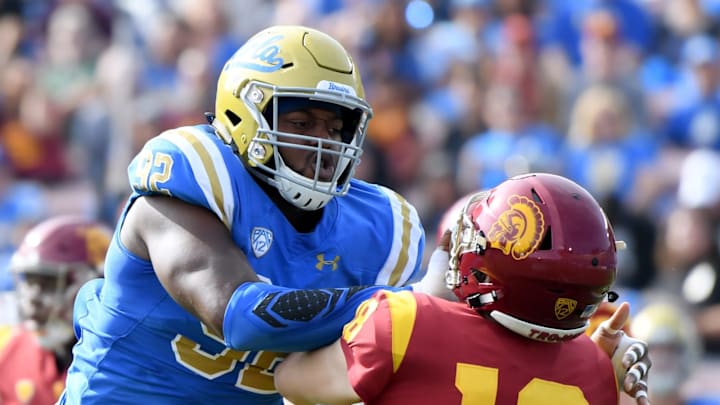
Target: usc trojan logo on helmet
{"points": [[564, 307], [97, 241], [518, 231]]}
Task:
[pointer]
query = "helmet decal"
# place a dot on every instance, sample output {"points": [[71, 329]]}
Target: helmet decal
{"points": [[261, 56], [334, 86], [564, 307], [518, 231], [96, 242]]}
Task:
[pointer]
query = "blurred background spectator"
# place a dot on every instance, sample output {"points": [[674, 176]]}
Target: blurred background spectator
{"points": [[623, 96], [664, 323]]}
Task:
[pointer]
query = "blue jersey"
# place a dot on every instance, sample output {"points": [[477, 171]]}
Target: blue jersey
{"points": [[137, 345]]}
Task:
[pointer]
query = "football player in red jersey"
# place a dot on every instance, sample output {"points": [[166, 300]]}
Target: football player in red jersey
{"points": [[54, 259], [534, 257]]}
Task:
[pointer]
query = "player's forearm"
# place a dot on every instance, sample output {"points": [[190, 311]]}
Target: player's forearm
{"points": [[260, 316], [318, 376]]}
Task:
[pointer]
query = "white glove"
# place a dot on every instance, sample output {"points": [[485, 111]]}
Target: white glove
{"points": [[629, 356], [433, 283], [630, 360]]}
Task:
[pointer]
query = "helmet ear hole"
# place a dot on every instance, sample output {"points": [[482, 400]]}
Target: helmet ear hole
{"points": [[536, 196], [546, 243], [232, 117]]}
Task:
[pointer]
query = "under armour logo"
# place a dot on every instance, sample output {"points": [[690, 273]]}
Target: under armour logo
{"points": [[322, 262]]}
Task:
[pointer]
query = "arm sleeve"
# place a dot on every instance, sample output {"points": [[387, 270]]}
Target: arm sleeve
{"points": [[261, 316]]}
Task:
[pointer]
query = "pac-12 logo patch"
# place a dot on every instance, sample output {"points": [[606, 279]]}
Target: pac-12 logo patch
{"points": [[564, 307], [260, 240]]}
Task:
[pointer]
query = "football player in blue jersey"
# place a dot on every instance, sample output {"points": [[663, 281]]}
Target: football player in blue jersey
{"points": [[232, 247]]}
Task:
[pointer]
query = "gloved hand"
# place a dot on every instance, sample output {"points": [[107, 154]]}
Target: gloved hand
{"points": [[629, 356], [433, 283]]}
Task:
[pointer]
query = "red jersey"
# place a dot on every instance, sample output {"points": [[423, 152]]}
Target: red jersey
{"points": [[28, 372], [416, 349]]}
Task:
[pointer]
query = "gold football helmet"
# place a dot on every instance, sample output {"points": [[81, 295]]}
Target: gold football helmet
{"points": [[282, 65], [673, 341]]}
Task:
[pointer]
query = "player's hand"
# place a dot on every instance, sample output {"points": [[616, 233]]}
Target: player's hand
{"points": [[629, 356], [444, 242], [433, 282]]}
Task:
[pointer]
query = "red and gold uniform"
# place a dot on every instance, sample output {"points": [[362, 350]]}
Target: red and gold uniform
{"points": [[28, 372], [412, 348]]}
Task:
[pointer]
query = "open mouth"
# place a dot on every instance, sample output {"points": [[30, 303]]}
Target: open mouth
{"points": [[325, 167]]}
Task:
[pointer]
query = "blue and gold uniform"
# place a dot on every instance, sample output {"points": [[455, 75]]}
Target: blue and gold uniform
{"points": [[369, 236]]}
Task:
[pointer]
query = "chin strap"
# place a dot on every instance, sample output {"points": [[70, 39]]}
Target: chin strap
{"points": [[220, 130], [478, 300], [298, 190]]}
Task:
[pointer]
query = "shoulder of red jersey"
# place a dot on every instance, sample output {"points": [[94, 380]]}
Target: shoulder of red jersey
{"points": [[376, 340], [6, 334], [387, 318]]}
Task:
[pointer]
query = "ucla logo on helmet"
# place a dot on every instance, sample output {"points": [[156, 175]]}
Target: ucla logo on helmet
{"points": [[260, 54], [518, 230], [261, 239]]}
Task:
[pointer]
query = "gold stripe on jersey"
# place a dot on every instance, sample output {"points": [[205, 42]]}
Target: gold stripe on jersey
{"points": [[406, 246], [209, 167], [6, 333], [403, 310], [403, 257]]}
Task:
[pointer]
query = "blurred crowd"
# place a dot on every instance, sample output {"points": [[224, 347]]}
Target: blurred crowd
{"points": [[622, 96]]}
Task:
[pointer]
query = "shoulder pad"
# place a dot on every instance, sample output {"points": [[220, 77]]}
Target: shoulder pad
{"points": [[408, 240], [188, 163]]}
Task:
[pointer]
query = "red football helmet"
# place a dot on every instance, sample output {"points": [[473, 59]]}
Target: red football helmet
{"points": [[54, 259], [449, 218], [537, 254]]}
